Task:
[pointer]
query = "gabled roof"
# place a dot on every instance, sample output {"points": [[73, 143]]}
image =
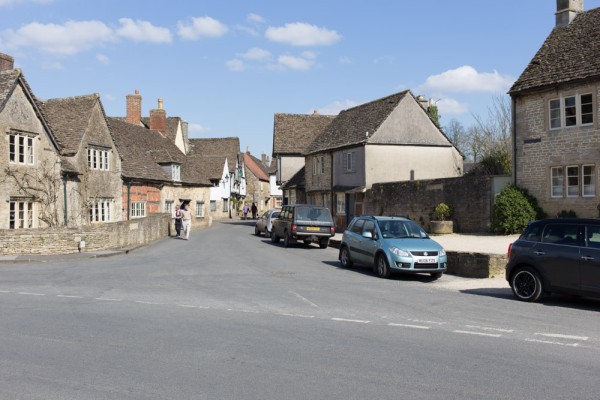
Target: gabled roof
{"points": [[570, 53], [8, 80], [256, 167], [172, 124], [69, 119], [210, 168], [296, 181], [217, 148], [293, 133]]}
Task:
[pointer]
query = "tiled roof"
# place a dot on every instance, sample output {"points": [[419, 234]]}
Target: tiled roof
{"points": [[207, 167], [256, 167], [172, 123], [570, 53], [293, 133], [228, 147], [69, 119], [8, 80], [296, 181], [350, 126]]}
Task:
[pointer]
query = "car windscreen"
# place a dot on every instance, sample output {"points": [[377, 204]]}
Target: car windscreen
{"points": [[313, 214], [400, 229]]}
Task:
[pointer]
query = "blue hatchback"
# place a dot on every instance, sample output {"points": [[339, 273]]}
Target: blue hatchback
{"points": [[391, 244]]}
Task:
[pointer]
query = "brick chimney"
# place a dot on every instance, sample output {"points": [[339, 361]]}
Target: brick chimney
{"points": [[134, 108], [158, 118], [566, 11], [6, 62], [264, 159]]}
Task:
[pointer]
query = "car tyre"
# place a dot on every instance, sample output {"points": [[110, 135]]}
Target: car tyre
{"points": [[256, 231], [286, 239], [274, 238], [323, 243], [527, 285], [382, 267], [345, 258], [267, 233], [436, 275]]}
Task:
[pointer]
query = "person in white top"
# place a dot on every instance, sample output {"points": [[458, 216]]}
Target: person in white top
{"points": [[186, 220]]}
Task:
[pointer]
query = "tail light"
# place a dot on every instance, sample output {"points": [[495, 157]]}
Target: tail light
{"points": [[294, 228], [509, 249], [332, 229]]}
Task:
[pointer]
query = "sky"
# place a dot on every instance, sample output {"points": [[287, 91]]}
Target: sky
{"points": [[227, 66]]}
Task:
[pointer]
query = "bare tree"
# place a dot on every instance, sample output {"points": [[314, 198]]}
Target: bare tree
{"points": [[492, 136], [459, 136]]}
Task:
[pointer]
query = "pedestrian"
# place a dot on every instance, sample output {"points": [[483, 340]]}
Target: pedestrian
{"points": [[254, 210], [245, 210], [186, 220], [177, 216]]}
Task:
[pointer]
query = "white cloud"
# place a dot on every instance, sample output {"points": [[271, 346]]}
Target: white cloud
{"points": [[197, 129], [467, 79], [309, 55], [256, 53], [337, 106], [451, 107], [102, 58], [295, 63], [201, 27], [302, 34], [143, 31], [235, 65], [70, 38], [11, 2], [255, 18]]}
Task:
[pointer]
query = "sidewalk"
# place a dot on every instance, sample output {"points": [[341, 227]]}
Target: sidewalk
{"points": [[62, 257]]}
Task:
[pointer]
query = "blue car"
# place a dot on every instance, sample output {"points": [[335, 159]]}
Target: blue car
{"points": [[391, 244]]}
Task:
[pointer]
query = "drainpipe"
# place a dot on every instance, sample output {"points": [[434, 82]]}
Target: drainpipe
{"points": [[65, 197], [332, 194], [128, 199], [514, 139]]}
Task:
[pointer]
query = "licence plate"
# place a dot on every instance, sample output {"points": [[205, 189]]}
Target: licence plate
{"points": [[313, 228], [424, 260]]}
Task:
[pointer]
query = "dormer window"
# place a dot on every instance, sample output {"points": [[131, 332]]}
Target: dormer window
{"points": [[20, 148], [98, 158], [176, 172]]}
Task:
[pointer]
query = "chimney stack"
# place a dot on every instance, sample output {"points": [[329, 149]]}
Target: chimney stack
{"points": [[7, 63], [158, 118], [134, 108], [566, 11], [265, 159]]}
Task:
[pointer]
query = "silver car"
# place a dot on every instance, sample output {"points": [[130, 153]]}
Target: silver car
{"points": [[265, 223]]}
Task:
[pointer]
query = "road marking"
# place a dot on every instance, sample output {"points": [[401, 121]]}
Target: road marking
{"points": [[69, 297], [31, 294], [551, 342], [559, 336], [486, 328], [304, 299], [409, 326], [358, 321], [427, 322], [496, 335], [295, 315], [150, 302], [5, 291], [186, 306], [107, 299]]}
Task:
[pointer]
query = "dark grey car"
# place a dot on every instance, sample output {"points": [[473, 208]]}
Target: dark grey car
{"points": [[556, 255], [303, 222]]}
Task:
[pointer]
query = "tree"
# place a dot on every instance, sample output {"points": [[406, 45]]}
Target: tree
{"points": [[458, 135], [492, 136]]}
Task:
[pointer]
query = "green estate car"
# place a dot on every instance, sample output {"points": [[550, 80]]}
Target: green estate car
{"points": [[391, 244]]}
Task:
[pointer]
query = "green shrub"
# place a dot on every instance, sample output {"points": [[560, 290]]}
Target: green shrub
{"points": [[512, 211], [539, 211], [442, 212], [567, 214]]}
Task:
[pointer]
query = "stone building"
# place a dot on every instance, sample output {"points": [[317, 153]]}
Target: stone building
{"points": [[258, 189], [556, 140]]}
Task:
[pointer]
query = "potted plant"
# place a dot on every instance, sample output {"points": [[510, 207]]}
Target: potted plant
{"points": [[440, 220]]}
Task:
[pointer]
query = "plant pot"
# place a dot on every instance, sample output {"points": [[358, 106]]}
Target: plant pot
{"points": [[441, 227]]}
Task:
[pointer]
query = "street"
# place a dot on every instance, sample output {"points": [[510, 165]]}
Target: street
{"points": [[228, 315]]}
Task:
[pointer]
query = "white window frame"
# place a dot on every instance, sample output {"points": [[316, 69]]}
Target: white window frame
{"points": [[574, 176], [561, 178], [101, 210], [341, 203], [213, 205], [137, 209], [592, 184], [21, 148], [225, 204], [98, 159], [350, 161], [199, 209], [562, 111], [169, 206], [176, 172], [20, 214]]}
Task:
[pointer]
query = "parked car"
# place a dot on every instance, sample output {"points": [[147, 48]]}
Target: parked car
{"points": [[391, 244], [303, 222], [265, 223], [556, 255]]}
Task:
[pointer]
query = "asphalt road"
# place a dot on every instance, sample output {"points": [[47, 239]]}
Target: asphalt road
{"points": [[227, 315]]}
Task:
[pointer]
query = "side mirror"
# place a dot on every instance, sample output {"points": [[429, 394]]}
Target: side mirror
{"points": [[367, 235]]}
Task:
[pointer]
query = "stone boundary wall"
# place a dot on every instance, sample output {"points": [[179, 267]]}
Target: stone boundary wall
{"points": [[115, 235], [476, 265], [471, 198]]}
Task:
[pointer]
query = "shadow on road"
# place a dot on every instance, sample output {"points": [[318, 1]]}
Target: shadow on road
{"points": [[248, 222], [368, 271], [563, 301]]}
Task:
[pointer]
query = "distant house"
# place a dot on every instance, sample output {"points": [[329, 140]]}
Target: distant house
{"points": [[556, 125], [292, 134], [81, 129], [257, 181], [295, 187], [386, 140]]}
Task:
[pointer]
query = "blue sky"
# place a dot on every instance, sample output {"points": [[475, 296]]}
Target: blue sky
{"points": [[227, 66]]}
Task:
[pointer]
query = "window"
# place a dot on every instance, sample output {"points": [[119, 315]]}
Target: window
{"points": [[357, 227], [213, 205], [20, 148], [225, 205], [589, 180], [176, 172], [169, 206], [101, 211], [370, 227], [199, 209], [571, 111], [349, 162], [341, 203], [572, 181], [98, 159], [593, 236], [138, 209], [557, 181], [21, 214], [318, 165], [278, 202], [561, 234]]}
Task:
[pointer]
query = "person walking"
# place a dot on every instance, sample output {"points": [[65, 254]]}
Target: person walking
{"points": [[245, 210], [254, 210], [177, 216], [186, 220]]}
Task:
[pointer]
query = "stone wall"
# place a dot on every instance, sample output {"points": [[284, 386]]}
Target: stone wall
{"points": [[116, 235], [471, 198]]}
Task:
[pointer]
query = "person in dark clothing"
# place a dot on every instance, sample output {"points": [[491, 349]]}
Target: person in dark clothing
{"points": [[254, 210], [177, 216]]}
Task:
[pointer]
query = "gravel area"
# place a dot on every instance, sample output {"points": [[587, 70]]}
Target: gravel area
{"points": [[475, 243]]}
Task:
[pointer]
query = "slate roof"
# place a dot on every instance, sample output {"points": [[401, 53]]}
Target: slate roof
{"points": [[228, 147], [296, 181], [293, 133], [570, 53], [69, 119], [8, 80], [208, 167], [256, 167], [172, 123]]}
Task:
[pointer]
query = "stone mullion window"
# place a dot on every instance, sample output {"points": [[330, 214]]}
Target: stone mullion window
{"points": [[588, 173], [98, 159], [101, 211], [20, 148], [557, 176], [572, 181], [138, 209], [571, 111], [199, 209], [21, 214]]}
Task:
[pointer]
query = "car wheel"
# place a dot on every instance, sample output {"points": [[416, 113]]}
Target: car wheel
{"points": [[286, 239], [267, 233], [323, 243], [527, 285], [256, 231], [274, 238], [307, 242], [383, 269], [436, 275], [345, 258]]}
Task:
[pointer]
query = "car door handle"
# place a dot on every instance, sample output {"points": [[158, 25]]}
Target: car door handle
{"points": [[539, 253], [585, 258]]}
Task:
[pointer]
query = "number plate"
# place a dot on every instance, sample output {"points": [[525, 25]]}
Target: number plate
{"points": [[313, 228], [425, 260]]}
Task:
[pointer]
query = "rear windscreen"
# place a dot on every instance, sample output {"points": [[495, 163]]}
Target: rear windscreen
{"points": [[313, 214]]}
